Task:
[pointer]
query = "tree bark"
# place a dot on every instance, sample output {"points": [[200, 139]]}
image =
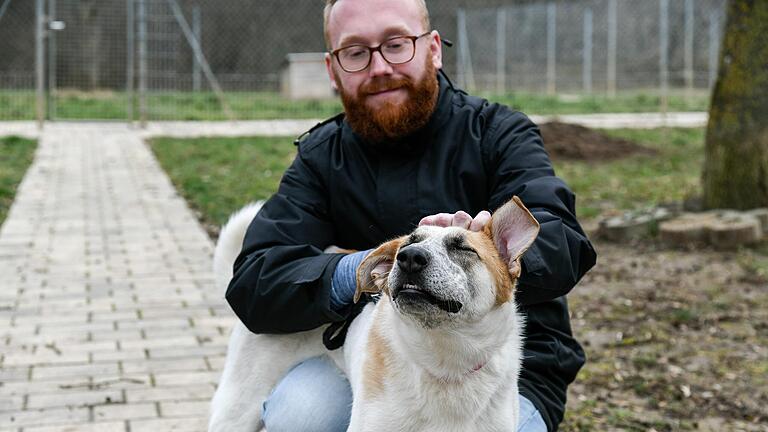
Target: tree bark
{"points": [[735, 171]]}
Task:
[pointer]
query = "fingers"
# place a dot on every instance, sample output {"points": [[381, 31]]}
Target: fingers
{"points": [[480, 221], [459, 219], [440, 219]]}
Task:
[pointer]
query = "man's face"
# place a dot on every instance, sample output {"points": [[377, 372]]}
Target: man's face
{"points": [[390, 98]]}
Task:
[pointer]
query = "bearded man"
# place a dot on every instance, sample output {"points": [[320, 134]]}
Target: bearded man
{"points": [[410, 148]]}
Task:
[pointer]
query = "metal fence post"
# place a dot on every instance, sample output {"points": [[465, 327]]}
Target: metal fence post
{"points": [[51, 100], [142, 19], [40, 60], [130, 68], [197, 30], [688, 48], [465, 57], [664, 53], [551, 47], [714, 46], [587, 52], [611, 67], [501, 50], [198, 51]]}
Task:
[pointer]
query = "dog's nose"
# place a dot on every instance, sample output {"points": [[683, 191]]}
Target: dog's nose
{"points": [[412, 259]]}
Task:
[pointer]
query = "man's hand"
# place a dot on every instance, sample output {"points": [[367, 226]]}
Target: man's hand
{"points": [[458, 219]]}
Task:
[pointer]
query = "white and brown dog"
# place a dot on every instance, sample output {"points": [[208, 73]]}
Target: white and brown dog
{"points": [[441, 351]]}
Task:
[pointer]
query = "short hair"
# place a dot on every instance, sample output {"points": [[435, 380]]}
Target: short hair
{"points": [[422, 4]]}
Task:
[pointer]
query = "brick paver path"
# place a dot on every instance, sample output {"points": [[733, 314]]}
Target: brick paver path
{"points": [[109, 320]]}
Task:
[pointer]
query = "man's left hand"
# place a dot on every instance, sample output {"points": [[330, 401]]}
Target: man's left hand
{"points": [[459, 219]]}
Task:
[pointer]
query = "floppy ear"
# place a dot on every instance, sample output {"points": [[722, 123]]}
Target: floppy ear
{"points": [[372, 273], [513, 229]]}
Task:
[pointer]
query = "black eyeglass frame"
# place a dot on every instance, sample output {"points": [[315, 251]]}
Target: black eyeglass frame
{"points": [[371, 50]]}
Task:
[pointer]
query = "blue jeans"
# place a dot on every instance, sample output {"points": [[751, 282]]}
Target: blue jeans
{"points": [[315, 396]]}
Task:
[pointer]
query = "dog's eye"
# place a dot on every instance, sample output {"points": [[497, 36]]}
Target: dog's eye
{"points": [[467, 249], [457, 243]]}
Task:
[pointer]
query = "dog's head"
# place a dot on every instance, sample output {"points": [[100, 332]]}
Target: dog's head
{"points": [[437, 275]]}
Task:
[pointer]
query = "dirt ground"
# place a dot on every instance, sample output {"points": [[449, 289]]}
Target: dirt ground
{"points": [[675, 340], [568, 141]]}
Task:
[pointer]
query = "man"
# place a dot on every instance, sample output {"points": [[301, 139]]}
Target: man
{"points": [[410, 148]]}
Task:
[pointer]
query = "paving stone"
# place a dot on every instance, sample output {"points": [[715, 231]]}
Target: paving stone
{"points": [[170, 393], [102, 263], [115, 426], [44, 417], [74, 399], [184, 408], [194, 424], [125, 411]]}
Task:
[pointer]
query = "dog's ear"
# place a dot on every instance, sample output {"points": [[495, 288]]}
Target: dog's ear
{"points": [[373, 271], [513, 229]]}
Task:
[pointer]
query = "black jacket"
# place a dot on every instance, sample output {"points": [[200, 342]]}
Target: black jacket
{"points": [[472, 155]]}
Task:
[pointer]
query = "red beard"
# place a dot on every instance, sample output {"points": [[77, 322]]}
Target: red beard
{"points": [[392, 121]]}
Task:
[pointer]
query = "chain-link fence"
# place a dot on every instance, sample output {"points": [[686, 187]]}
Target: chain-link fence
{"points": [[245, 59], [590, 46]]}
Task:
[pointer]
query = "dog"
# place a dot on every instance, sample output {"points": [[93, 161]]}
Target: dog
{"points": [[440, 351]]}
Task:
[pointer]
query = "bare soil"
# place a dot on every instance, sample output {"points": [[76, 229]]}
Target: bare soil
{"points": [[675, 340], [573, 142]]}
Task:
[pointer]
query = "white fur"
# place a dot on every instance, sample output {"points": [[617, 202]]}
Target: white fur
{"points": [[429, 385]]}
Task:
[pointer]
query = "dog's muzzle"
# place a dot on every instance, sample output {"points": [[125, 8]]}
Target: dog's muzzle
{"points": [[412, 292]]}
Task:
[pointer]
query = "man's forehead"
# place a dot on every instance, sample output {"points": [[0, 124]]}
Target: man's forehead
{"points": [[368, 21]]}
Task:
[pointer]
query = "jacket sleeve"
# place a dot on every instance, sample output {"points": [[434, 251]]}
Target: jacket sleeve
{"points": [[282, 278], [520, 166]]}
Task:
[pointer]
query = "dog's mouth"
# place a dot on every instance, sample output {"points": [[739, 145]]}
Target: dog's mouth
{"points": [[412, 292]]}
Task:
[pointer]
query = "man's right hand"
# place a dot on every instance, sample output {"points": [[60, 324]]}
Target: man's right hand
{"points": [[459, 219]]}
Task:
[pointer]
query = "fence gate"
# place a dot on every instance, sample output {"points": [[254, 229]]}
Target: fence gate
{"points": [[85, 56], [121, 59]]}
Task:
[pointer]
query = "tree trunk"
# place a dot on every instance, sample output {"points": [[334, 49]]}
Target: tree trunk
{"points": [[735, 171]]}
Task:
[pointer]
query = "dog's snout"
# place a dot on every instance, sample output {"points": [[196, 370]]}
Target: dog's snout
{"points": [[412, 259]]}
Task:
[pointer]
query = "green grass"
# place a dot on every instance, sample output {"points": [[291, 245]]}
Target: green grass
{"points": [[20, 105], [630, 102], [638, 182], [219, 175], [16, 155]]}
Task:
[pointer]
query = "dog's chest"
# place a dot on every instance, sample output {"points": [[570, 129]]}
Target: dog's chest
{"points": [[480, 402]]}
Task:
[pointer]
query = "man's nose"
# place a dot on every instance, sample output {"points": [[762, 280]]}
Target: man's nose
{"points": [[412, 259], [378, 65]]}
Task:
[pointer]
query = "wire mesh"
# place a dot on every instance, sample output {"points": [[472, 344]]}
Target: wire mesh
{"points": [[131, 59], [638, 42], [17, 60]]}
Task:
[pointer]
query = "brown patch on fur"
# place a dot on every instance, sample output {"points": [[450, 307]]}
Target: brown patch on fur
{"points": [[483, 243], [375, 367]]}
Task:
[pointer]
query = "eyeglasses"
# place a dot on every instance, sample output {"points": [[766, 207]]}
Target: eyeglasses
{"points": [[396, 50]]}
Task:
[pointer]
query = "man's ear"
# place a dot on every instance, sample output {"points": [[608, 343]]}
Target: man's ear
{"points": [[329, 69], [372, 273], [436, 50], [513, 229]]}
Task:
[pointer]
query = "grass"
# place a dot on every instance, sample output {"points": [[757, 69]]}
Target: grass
{"points": [[16, 155], [220, 175], [70, 104], [629, 102], [639, 181]]}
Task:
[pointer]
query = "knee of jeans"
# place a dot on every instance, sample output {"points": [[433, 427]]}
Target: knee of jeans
{"points": [[313, 396]]}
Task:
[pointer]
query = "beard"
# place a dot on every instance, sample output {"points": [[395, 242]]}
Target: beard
{"points": [[392, 121]]}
